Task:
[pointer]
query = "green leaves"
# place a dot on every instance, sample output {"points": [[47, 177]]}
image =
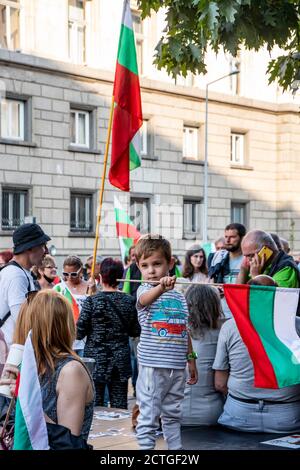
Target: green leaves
{"points": [[195, 25]]}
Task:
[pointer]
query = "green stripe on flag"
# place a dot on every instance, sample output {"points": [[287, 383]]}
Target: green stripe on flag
{"points": [[21, 438], [261, 310], [126, 51], [134, 159], [122, 217]]}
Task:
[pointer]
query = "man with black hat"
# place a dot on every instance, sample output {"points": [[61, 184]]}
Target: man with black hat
{"points": [[15, 278]]}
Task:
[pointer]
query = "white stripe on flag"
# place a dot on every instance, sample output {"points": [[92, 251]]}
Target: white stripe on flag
{"points": [[127, 18], [30, 399], [285, 308]]}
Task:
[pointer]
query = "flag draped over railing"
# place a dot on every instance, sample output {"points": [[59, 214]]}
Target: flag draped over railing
{"points": [[266, 319]]}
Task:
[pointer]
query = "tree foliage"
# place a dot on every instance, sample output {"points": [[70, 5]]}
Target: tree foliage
{"points": [[195, 25]]}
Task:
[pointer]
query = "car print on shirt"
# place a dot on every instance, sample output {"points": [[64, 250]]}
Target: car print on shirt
{"points": [[172, 326]]}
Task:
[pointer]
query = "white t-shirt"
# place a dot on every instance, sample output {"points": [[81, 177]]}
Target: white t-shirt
{"points": [[13, 289]]}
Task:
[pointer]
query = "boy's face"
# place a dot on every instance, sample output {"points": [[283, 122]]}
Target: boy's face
{"points": [[154, 267]]}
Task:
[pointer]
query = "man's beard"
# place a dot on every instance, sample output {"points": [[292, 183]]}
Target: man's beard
{"points": [[233, 248]]}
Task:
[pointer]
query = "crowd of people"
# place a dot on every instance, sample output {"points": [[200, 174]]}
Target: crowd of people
{"points": [[181, 347]]}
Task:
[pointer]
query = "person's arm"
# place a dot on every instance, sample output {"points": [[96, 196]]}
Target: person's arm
{"points": [[72, 390], [221, 379], [83, 325], [192, 367], [166, 283], [243, 275]]}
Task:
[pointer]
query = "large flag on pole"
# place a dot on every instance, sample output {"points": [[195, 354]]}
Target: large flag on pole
{"points": [[30, 431], [127, 117], [126, 231], [265, 317]]}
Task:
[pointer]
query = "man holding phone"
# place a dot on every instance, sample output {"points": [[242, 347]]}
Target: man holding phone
{"points": [[261, 256]]}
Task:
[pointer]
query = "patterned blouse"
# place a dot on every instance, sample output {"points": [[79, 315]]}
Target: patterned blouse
{"points": [[107, 336]]}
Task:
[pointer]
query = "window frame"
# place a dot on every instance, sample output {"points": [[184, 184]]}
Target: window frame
{"points": [[89, 196], [190, 234], [239, 205], [194, 155], [73, 49], [88, 124], [11, 190], [233, 136], [140, 199], [139, 39], [21, 119], [8, 5]]}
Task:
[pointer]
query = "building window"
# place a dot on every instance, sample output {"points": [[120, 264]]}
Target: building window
{"points": [[81, 212], [235, 80], [139, 39], [237, 150], [12, 119], [10, 24], [140, 214], [77, 31], [190, 142], [80, 128], [238, 213], [191, 219], [14, 208], [144, 138]]}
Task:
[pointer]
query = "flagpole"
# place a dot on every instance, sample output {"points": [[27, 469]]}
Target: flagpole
{"points": [[186, 283], [99, 209]]}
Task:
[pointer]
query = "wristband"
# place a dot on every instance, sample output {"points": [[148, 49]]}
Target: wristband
{"points": [[192, 355]]}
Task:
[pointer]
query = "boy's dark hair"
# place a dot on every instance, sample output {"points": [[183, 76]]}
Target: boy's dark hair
{"points": [[111, 270], [150, 243], [240, 228]]}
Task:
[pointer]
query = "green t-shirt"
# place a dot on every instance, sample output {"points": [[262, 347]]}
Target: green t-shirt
{"points": [[286, 277]]}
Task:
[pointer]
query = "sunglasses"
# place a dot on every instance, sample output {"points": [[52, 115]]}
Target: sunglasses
{"points": [[74, 274], [50, 267], [30, 295]]}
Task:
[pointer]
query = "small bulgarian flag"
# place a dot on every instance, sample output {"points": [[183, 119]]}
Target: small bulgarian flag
{"points": [[265, 317], [63, 290], [126, 231], [127, 118], [30, 431]]}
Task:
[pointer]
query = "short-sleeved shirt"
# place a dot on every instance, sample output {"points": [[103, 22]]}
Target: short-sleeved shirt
{"points": [[232, 355], [13, 288], [164, 339]]}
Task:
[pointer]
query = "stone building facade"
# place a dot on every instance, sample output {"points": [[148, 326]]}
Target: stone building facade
{"points": [[56, 77]]}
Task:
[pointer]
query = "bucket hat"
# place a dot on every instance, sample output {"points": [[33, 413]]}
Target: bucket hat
{"points": [[28, 236]]}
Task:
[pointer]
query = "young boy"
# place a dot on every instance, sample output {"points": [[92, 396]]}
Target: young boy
{"points": [[164, 346]]}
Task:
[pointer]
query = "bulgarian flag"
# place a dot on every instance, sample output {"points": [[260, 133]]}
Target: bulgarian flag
{"points": [[127, 118], [62, 289], [30, 431], [265, 317], [126, 231]]}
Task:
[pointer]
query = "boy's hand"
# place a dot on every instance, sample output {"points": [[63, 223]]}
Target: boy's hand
{"points": [[167, 283], [192, 372]]}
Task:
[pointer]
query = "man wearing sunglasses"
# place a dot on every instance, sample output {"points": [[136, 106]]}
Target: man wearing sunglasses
{"points": [[16, 281]]}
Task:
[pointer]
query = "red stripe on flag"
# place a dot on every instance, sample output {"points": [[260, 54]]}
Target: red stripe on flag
{"points": [[75, 309], [127, 231], [17, 385], [126, 122], [237, 297]]}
